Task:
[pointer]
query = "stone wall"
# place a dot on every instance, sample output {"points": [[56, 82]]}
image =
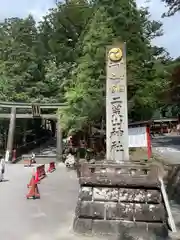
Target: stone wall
{"points": [[173, 183], [114, 199]]}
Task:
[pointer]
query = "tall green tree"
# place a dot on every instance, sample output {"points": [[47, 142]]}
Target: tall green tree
{"points": [[61, 28], [59, 32], [63, 59], [21, 56], [85, 97], [116, 21], [173, 7]]}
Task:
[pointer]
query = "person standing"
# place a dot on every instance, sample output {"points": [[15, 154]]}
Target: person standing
{"points": [[2, 168], [33, 157], [178, 129]]}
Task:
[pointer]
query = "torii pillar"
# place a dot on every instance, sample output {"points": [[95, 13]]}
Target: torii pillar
{"points": [[59, 147], [12, 123]]}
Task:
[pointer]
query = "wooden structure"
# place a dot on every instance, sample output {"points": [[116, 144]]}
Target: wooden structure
{"points": [[159, 126]]}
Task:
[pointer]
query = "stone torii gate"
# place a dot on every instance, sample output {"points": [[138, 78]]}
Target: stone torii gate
{"points": [[36, 113]]}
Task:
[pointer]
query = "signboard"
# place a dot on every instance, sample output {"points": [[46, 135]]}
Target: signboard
{"points": [[116, 104], [138, 137], [36, 110]]}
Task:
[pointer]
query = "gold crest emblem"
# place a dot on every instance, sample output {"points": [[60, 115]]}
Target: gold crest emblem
{"points": [[115, 54]]}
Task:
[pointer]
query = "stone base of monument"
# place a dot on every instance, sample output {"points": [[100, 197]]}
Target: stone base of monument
{"points": [[122, 200]]}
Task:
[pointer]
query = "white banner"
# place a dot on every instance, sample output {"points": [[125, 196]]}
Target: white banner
{"points": [[137, 137]]}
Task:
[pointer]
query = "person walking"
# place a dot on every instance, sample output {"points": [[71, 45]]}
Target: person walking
{"points": [[33, 157], [2, 168], [178, 129]]}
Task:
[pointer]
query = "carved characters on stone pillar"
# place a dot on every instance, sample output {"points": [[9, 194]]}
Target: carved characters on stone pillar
{"points": [[116, 113], [116, 146], [116, 108], [116, 119], [117, 131]]}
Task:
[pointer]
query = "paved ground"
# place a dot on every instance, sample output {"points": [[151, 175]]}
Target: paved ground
{"points": [[39, 160], [168, 147], [49, 218]]}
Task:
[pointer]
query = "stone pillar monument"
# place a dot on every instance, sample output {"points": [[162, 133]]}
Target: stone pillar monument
{"points": [[116, 104], [127, 204]]}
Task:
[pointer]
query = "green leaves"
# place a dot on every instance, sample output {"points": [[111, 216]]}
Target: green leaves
{"points": [[63, 59], [173, 5], [147, 79]]}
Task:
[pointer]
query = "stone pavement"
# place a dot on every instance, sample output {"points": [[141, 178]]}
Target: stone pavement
{"points": [[48, 218], [168, 147], [39, 160]]}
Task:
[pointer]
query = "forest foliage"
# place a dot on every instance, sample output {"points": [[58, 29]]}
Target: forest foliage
{"points": [[62, 59], [173, 7]]}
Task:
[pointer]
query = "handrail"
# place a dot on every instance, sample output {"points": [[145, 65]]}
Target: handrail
{"points": [[29, 146], [168, 209], [21, 155], [39, 156], [36, 140]]}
